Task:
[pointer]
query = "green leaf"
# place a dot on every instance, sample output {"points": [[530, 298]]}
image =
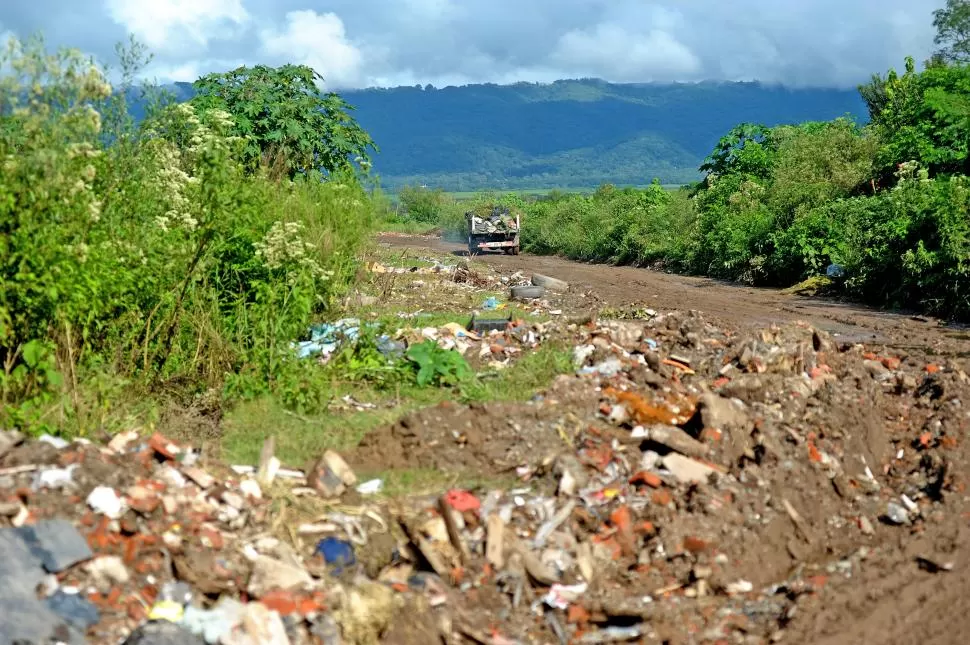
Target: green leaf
{"points": [[33, 351]]}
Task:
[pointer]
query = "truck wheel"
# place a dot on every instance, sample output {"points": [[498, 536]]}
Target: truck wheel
{"points": [[515, 250]]}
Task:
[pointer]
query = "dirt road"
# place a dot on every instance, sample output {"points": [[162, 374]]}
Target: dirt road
{"points": [[728, 304]]}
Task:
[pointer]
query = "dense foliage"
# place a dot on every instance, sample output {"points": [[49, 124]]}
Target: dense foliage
{"points": [[284, 119], [166, 258]]}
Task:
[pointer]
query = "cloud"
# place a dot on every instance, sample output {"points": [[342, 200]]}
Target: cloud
{"points": [[612, 50], [172, 25], [376, 42], [317, 40]]}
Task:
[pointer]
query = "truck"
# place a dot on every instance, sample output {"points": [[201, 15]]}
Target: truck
{"points": [[493, 228]]}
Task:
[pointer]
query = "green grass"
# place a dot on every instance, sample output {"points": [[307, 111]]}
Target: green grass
{"points": [[408, 228], [302, 438], [536, 192], [439, 319]]}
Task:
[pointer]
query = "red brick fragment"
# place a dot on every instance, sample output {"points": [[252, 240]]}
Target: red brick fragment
{"points": [[661, 497], [577, 615], [284, 602], [164, 446], [647, 479], [136, 611], [695, 544]]}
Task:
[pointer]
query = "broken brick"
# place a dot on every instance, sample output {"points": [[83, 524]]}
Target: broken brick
{"points": [[661, 497], [284, 602], [136, 611], [647, 479], [164, 446], [211, 537], [695, 544], [577, 615]]}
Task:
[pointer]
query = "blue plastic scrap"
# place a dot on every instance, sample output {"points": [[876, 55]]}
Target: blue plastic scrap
{"points": [[56, 544], [390, 348], [326, 337], [337, 552]]}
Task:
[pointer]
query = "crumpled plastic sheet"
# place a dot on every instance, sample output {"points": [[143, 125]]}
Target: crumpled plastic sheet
{"points": [[325, 338]]}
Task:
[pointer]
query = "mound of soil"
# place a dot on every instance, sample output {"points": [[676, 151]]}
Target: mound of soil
{"points": [[478, 439]]}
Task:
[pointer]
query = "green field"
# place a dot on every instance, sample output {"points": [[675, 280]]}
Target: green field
{"points": [[463, 195]]}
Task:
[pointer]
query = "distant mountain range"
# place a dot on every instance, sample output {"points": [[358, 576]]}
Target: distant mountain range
{"points": [[568, 134]]}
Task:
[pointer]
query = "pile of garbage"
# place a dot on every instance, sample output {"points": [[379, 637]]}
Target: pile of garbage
{"points": [[492, 220], [706, 487], [496, 340], [437, 267]]}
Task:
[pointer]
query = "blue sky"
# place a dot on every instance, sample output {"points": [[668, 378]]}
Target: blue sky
{"points": [[359, 43]]}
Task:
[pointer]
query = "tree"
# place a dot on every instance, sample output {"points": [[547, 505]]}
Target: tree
{"points": [[747, 150], [874, 93], [925, 117], [952, 24], [286, 121]]}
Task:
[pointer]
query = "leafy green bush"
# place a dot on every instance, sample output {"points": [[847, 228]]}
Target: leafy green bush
{"points": [[437, 366], [910, 246], [422, 205], [612, 225], [921, 116], [159, 257]]}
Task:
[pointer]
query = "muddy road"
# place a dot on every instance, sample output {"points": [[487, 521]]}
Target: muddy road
{"points": [[729, 305]]}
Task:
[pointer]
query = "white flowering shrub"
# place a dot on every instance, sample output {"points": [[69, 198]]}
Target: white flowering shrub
{"points": [[148, 252]]}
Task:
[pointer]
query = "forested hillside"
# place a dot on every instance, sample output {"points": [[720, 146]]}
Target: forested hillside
{"points": [[578, 133]]}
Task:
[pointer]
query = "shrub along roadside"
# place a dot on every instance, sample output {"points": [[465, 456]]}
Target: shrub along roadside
{"points": [[159, 260]]}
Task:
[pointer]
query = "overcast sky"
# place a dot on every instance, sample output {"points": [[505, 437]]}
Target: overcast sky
{"points": [[357, 43]]}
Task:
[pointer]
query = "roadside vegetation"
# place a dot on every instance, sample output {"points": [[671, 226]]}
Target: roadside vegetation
{"points": [[176, 262], [886, 202], [183, 254]]}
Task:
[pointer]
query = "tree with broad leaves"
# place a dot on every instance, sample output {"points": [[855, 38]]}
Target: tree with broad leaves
{"points": [[287, 122], [747, 149], [952, 24]]}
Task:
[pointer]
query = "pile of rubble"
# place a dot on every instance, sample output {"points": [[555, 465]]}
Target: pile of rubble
{"points": [[493, 220], [493, 334], [706, 488]]}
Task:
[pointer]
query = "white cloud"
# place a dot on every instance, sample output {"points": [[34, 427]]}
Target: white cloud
{"points": [[612, 50], [172, 25], [317, 40], [187, 72], [364, 42]]}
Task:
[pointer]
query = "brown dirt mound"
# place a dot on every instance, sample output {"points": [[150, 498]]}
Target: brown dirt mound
{"points": [[485, 439]]}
